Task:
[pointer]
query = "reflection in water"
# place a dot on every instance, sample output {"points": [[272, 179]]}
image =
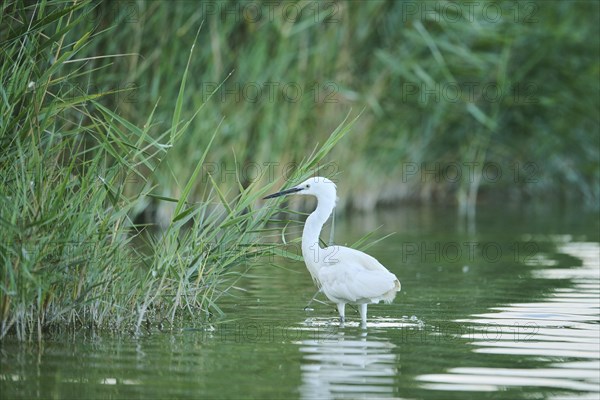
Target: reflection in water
{"points": [[562, 330], [522, 348], [341, 364]]}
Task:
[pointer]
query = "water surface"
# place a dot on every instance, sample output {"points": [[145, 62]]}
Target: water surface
{"points": [[506, 309]]}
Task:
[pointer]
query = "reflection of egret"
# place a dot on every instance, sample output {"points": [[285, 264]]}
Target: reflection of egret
{"points": [[341, 365], [345, 275]]}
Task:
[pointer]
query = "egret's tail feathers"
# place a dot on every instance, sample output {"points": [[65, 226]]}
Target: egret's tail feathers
{"points": [[389, 296]]}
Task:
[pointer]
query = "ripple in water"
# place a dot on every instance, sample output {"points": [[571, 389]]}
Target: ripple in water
{"points": [[563, 331]]}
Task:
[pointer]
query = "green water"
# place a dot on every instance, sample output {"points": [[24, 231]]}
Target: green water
{"points": [[508, 308]]}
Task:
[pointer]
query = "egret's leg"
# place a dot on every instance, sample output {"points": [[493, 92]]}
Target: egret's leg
{"points": [[341, 308], [363, 315], [311, 300]]}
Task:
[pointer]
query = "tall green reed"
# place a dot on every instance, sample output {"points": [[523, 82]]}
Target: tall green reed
{"points": [[444, 84], [75, 174]]}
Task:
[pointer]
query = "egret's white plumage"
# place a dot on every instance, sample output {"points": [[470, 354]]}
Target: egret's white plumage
{"points": [[343, 274]]}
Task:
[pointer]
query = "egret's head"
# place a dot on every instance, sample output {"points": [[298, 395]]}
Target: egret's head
{"points": [[322, 188]]}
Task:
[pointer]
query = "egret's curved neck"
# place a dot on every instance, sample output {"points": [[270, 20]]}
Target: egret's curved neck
{"points": [[313, 225]]}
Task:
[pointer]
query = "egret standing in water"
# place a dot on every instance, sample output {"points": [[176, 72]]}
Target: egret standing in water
{"points": [[345, 275]]}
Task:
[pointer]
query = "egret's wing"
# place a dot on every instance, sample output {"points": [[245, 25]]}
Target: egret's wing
{"points": [[354, 276], [349, 256]]}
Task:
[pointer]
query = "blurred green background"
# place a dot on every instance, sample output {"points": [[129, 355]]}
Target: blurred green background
{"points": [[116, 115], [495, 97]]}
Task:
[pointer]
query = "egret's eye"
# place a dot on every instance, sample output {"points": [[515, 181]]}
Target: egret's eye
{"points": [[307, 186]]}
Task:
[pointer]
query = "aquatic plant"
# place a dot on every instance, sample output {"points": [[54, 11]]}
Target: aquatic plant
{"points": [[76, 173]]}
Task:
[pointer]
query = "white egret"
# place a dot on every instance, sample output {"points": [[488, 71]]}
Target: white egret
{"points": [[344, 275]]}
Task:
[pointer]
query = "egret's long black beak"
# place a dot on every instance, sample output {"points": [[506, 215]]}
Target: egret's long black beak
{"points": [[283, 193]]}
